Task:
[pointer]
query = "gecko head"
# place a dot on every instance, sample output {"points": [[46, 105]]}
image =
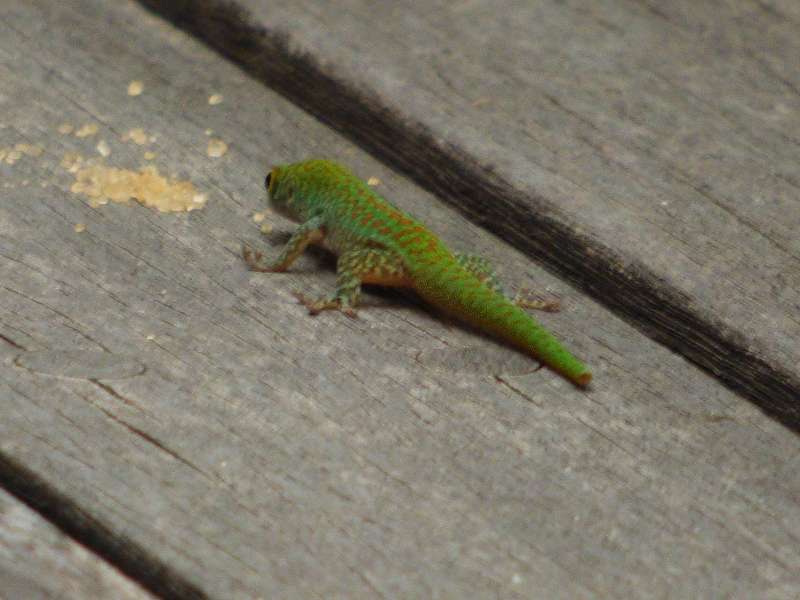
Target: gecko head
{"points": [[281, 193]]}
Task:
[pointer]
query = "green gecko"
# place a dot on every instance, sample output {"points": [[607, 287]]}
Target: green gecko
{"points": [[377, 243]]}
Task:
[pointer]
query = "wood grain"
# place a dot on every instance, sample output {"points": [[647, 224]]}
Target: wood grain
{"points": [[264, 453]]}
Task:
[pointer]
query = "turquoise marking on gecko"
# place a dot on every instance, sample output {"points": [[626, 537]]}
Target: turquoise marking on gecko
{"points": [[378, 243]]}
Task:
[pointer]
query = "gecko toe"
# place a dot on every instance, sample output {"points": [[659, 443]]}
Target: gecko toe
{"points": [[252, 258], [317, 306]]}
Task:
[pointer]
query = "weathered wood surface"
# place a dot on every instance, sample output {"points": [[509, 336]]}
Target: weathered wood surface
{"points": [[265, 453], [39, 562], [646, 152]]}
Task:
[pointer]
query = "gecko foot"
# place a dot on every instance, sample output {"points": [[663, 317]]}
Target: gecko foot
{"points": [[329, 303], [528, 299], [255, 260]]}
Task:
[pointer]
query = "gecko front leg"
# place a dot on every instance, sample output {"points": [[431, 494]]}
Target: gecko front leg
{"points": [[310, 232]]}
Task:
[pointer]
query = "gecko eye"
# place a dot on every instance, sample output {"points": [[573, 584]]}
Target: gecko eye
{"points": [[267, 180]]}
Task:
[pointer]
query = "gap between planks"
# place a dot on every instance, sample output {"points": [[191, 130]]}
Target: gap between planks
{"points": [[119, 551]]}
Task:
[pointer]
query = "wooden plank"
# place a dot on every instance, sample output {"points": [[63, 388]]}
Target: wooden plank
{"points": [[262, 453], [62, 510], [646, 153], [37, 561]]}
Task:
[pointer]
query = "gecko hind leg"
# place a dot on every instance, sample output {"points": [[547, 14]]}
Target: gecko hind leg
{"points": [[526, 298], [354, 268], [483, 270]]}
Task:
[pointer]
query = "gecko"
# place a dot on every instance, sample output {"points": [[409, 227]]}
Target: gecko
{"points": [[377, 243]]}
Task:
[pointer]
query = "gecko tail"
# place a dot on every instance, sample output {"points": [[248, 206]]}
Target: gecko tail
{"points": [[463, 296], [542, 345], [580, 376]]}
